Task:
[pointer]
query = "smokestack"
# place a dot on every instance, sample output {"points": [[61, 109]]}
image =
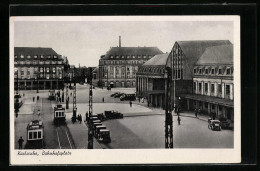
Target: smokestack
{"points": [[120, 41]]}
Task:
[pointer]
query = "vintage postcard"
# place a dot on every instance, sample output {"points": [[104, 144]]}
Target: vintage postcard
{"points": [[125, 90]]}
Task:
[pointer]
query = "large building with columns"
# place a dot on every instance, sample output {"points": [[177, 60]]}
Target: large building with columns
{"points": [[38, 67], [213, 87], [118, 67], [181, 59]]}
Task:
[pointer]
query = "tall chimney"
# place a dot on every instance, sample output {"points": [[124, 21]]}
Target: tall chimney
{"points": [[120, 41]]}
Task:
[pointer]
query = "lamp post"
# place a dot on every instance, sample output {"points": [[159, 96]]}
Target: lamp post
{"points": [[16, 104], [90, 130], [168, 109]]}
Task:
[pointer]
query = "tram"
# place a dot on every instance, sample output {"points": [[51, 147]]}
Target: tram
{"points": [[18, 100], [51, 95], [59, 114], [35, 130]]}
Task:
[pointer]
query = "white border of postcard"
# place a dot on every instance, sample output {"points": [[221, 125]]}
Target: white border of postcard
{"points": [[134, 156]]}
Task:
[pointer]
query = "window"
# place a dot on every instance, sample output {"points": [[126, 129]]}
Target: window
{"points": [[212, 88], [149, 56], [200, 87], [34, 62], [194, 86], [228, 90], [42, 56], [206, 88], [28, 71], [200, 71], [35, 56], [53, 70], [122, 56], [41, 69], [133, 57], [30, 135], [22, 56], [194, 71], [206, 71], [22, 72], [49, 56], [39, 134], [28, 77], [219, 71], [219, 88], [144, 56], [117, 56], [22, 62], [47, 76], [138, 56], [228, 71], [111, 57], [53, 76], [54, 56], [35, 135], [212, 71]]}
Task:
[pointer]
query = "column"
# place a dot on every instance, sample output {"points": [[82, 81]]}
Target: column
{"points": [[223, 90], [209, 88], [51, 85], [202, 87], [216, 89], [44, 84], [25, 84], [188, 104], [147, 84], [31, 85], [196, 91], [231, 92]]}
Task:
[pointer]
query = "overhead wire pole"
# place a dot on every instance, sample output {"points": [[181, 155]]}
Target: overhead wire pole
{"points": [[90, 129], [16, 104], [74, 97]]}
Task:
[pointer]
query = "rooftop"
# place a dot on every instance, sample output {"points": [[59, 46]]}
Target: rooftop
{"points": [[34, 51], [160, 59], [217, 55]]}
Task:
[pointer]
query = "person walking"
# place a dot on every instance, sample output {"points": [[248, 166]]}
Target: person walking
{"points": [[20, 142], [139, 99], [179, 120], [103, 99], [33, 98], [80, 118], [130, 103], [196, 112]]}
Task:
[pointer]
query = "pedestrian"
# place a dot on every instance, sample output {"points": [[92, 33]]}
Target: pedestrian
{"points": [[20, 142], [103, 99], [130, 103], [196, 112], [71, 93], [80, 118], [23, 94], [140, 100], [179, 120], [33, 98]]}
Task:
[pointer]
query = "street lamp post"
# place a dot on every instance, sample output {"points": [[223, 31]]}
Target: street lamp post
{"points": [[90, 130]]}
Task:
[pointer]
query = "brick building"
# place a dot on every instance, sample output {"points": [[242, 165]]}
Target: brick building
{"points": [[38, 67], [181, 59], [213, 88], [118, 67]]}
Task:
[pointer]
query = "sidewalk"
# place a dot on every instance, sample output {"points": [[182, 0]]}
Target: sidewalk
{"points": [[192, 115], [79, 133]]}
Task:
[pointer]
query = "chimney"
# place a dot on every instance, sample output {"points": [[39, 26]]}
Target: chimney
{"points": [[120, 41]]}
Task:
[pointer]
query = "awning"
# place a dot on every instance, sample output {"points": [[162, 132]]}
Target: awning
{"points": [[209, 99]]}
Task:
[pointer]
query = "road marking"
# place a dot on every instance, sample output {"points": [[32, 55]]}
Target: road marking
{"points": [[58, 138], [68, 139]]}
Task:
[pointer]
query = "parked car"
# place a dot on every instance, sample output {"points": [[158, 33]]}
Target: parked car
{"points": [[112, 95], [214, 125], [118, 95], [224, 123], [131, 97], [113, 115]]}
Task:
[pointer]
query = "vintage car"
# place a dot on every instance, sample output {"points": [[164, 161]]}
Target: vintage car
{"points": [[18, 100], [104, 136], [118, 95], [59, 114], [113, 115], [224, 123], [131, 97], [35, 131], [51, 95], [98, 128], [214, 125], [101, 117], [112, 95]]}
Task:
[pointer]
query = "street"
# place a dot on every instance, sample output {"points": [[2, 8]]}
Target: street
{"points": [[142, 127]]}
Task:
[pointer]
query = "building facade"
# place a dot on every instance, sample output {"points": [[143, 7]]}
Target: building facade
{"points": [[213, 88], [180, 60], [38, 68], [118, 67]]}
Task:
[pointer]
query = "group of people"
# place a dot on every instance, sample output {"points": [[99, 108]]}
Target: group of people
{"points": [[197, 111], [37, 98], [59, 97]]}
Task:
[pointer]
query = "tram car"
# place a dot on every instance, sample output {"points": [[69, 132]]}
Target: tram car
{"points": [[51, 95], [18, 100], [35, 130], [59, 114]]}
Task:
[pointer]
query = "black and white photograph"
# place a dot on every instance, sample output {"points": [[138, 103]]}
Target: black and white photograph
{"points": [[124, 87]]}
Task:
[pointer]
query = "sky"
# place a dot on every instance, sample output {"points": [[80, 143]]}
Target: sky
{"points": [[83, 42]]}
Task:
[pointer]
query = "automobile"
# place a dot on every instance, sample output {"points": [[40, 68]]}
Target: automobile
{"points": [[131, 97], [51, 95], [113, 115], [214, 125], [224, 123], [118, 95], [98, 128], [101, 116], [104, 136], [112, 95], [81, 83]]}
